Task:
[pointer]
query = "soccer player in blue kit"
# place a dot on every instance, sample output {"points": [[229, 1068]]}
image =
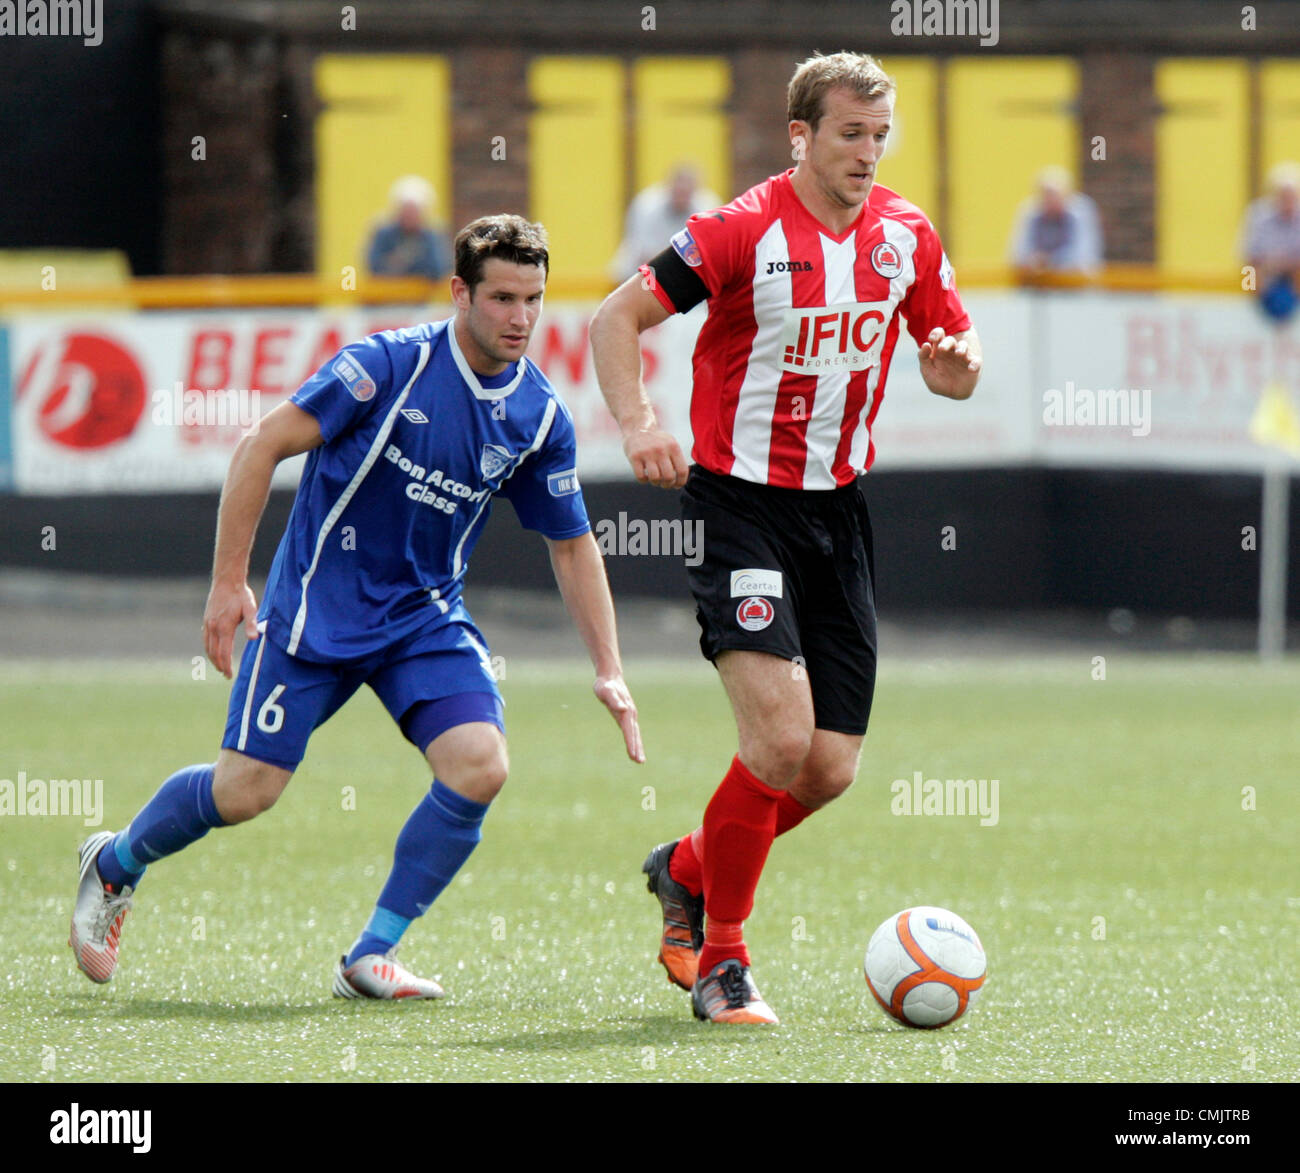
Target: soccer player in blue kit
{"points": [[411, 433]]}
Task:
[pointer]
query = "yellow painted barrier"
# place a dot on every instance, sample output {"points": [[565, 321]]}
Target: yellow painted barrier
{"points": [[217, 292]]}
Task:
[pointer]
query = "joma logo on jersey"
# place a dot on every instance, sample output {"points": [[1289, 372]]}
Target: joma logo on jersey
{"points": [[789, 267], [846, 337]]}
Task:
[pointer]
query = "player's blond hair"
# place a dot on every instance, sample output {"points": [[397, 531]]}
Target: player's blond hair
{"points": [[815, 78]]}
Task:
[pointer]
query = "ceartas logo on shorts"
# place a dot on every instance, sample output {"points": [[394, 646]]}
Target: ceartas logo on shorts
{"points": [[686, 248], [754, 581], [353, 376], [755, 613], [562, 484]]}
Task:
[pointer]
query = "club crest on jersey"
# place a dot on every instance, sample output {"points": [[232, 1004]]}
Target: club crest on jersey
{"points": [[755, 613], [494, 460], [850, 336], [887, 260], [354, 377], [685, 247]]}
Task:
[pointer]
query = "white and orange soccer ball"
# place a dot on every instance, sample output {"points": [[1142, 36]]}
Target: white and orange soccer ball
{"points": [[925, 966]]}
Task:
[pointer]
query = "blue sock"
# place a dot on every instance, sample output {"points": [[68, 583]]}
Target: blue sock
{"points": [[436, 841], [182, 811]]}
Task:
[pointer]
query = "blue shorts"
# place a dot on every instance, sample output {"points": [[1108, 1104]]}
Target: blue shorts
{"points": [[278, 700]]}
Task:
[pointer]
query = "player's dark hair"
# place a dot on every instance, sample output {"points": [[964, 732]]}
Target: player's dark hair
{"points": [[816, 77], [509, 237]]}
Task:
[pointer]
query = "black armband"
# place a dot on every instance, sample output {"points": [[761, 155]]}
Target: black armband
{"points": [[678, 280]]}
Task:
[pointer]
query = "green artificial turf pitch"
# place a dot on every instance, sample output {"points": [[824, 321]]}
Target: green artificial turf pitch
{"points": [[1140, 918]]}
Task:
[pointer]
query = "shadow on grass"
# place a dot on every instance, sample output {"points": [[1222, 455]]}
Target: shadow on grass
{"points": [[88, 1007], [656, 1030], [659, 1030]]}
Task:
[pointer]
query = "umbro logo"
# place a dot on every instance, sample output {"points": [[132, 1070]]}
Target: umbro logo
{"points": [[415, 415], [789, 267]]}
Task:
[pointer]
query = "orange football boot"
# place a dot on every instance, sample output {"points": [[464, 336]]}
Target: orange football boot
{"points": [[728, 994], [683, 933]]}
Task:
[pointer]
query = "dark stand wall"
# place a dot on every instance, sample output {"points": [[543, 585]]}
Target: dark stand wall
{"points": [[1164, 543], [79, 164]]}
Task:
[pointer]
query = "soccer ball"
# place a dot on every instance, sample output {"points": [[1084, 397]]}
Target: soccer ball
{"points": [[925, 966]]}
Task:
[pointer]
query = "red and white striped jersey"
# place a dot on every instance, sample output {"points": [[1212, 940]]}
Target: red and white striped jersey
{"points": [[790, 364]]}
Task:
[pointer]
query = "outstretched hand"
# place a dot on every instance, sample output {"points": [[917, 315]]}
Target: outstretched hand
{"points": [[227, 607], [613, 693], [949, 367]]}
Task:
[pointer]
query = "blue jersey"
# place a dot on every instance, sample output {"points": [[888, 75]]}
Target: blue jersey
{"points": [[390, 506]]}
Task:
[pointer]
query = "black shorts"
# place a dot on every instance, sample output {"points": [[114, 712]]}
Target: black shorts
{"points": [[789, 571]]}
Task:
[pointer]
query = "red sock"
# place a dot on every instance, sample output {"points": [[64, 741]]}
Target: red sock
{"points": [[686, 867], [723, 939], [790, 812], [739, 825]]}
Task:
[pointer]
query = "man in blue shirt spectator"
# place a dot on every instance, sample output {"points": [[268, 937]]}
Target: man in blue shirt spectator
{"points": [[1270, 242], [1058, 231], [406, 246]]}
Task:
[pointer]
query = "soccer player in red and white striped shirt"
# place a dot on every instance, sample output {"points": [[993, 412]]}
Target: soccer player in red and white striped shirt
{"points": [[806, 276]]}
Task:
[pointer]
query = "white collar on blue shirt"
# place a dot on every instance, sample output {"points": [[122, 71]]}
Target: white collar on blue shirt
{"points": [[468, 374]]}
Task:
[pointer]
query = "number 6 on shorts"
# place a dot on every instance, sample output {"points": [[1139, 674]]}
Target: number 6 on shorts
{"points": [[270, 717]]}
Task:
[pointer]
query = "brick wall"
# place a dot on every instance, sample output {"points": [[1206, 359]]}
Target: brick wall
{"points": [[760, 145], [249, 206], [1123, 185], [220, 212], [489, 99]]}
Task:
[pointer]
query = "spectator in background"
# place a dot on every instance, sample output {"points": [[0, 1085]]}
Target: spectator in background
{"points": [[1057, 231], [1270, 242], [407, 245], [656, 215]]}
